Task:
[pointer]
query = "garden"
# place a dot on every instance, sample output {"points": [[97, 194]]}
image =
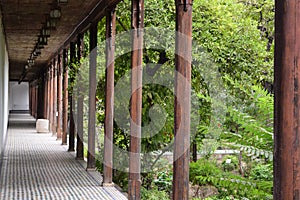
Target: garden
{"points": [[232, 98]]}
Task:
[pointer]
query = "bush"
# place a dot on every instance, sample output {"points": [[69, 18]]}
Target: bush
{"points": [[164, 181], [262, 172], [203, 167], [229, 185], [230, 163], [121, 179], [153, 194]]}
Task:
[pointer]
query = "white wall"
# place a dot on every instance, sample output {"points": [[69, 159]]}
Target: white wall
{"points": [[18, 96], [4, 84]]}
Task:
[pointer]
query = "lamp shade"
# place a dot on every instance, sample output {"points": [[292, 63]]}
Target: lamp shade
{"points": [[51, 24], [55, 13], [45, 32], [30, 62], [42, 40]]}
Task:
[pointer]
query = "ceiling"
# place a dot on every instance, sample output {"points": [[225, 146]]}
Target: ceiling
{"points": [[23, 21]]}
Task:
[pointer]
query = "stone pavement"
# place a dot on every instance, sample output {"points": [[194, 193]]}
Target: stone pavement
{"points": [[36, 166]]}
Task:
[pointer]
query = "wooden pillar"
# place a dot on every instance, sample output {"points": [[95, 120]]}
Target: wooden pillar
{"points": [[30, 98], [41, 98], [51, 98], [182, 99], [109, 98], [33, 100], [59, 96], [79, 146], [134, 184], [31, 103], [287, 101], [46, 95], [45, 114], [91, 163], [36, 101], [65, 97], [54, 93], [72, 100]]}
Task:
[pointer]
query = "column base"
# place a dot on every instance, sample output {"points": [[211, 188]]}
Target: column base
{"points": [[108, 185], [91, 169]]}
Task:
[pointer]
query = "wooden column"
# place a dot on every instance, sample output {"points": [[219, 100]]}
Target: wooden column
{"points": [[59, 96], [54, 103], [65, 97], [287, 100], [51, 98], [35, 101], [30, 99], [45, 113], [109, 98], [134, 184], [91, 163], [79, 146], [72, 100], [41, 98], [182, 99]]}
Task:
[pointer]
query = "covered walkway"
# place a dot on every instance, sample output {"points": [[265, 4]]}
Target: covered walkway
{"points": [[40, 43], [37, 166], [43, 43]]}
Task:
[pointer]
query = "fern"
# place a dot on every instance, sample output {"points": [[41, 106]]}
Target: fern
{"points": [[250, 128], [205, 172]]}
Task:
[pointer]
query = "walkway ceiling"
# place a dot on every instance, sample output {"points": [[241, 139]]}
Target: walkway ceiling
{"points": [[23, 21]]}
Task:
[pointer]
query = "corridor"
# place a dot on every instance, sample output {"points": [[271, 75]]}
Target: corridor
{"points": [[37, 166]]}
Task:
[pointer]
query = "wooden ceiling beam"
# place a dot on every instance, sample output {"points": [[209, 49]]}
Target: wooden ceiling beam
{"points": [[95, 15]]}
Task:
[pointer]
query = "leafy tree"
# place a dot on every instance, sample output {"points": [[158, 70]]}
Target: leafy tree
{"points": [[232, 57]]}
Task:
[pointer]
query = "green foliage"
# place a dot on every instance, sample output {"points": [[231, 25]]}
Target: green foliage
{"points": [[234, 41], [121, 179], [250, 127], [205, 172], [164, 181], [73, 71], [203, 168], [228, 32], [262, 172], [263, 12], [230, 163], [153, 194]]}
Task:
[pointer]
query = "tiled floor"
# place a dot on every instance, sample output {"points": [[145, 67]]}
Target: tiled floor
{"points": [[36, 166]]}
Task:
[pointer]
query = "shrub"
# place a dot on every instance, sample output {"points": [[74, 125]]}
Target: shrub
{"points": [[229, 185], [229, 163], [153, 194], [204, 168], [164, 181], [262, 172]]}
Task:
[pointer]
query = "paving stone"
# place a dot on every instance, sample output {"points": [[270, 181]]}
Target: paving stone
{"points": [[36, 166]]}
